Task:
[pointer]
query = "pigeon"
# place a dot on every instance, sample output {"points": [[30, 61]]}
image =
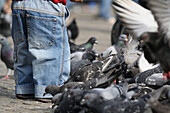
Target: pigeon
{"points": [[54, 89], [139, 20], [72, 30], [7, 55], [100, 105], [87, 55], [136, 19], [143, 64], [156, 79], [161, 11], [70, 102], [92, 70], [155, 44], [77, 56], [111, 92], [153, 102], [110, 50], [75, 48], [79, 64], [89, 44], [141, 77], [83, 47], [131, 53], [57, 99]]}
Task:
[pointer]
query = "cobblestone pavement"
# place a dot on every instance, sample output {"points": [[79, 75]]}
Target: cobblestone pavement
{"points": [[89, 25]]}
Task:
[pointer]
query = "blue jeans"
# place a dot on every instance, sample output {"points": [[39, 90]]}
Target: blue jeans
{"points": [[41, 48], [105, 9]]}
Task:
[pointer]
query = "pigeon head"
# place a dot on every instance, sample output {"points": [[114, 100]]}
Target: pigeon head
{"points": [[52, 89], [3, 40], [93, 40]]}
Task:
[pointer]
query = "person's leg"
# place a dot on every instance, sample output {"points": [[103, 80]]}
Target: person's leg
{"points": [[105, 9], [46, 44], [22, 66], [70, 4], [65, 70]]}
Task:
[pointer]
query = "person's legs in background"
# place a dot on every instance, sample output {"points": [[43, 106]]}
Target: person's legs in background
{"points": [[70, 4], [105, 10]]}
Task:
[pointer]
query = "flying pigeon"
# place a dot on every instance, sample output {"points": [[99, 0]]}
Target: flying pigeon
{"points": [[7, 55], [136, 19], [139, 20]]}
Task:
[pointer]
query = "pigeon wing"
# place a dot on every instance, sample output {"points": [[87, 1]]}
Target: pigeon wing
{"points": [[135, 18], [161, 12]]}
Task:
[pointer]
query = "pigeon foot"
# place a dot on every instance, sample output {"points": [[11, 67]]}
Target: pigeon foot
{"points": [[6, 77]]}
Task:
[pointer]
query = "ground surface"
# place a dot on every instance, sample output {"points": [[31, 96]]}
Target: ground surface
{"points": [[89, 25]]}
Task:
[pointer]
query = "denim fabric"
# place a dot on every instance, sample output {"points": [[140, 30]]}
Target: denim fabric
{"points": [[41, 48]]}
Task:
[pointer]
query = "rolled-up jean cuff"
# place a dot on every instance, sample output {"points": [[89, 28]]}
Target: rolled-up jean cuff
{"points": [[24, 89], [39, 91]]}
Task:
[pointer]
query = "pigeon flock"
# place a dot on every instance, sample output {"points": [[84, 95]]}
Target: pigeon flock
{"points": [[132, 76]]}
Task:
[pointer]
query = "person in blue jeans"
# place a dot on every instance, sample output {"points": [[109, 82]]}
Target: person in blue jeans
{"points": [[41, 48], [105, 10]]}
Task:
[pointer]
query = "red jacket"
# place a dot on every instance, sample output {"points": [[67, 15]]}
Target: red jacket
{"points": [[64, 2]]}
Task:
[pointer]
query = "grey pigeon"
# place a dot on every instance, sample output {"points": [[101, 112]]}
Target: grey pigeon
{"points": [[111, 92], [156, 105], [108, 51], [84, 46], [54, 89], [7, 55], [141, 77], [157, 47], [87, 55], [99, 105], [89, 44], [134, 17], [156, 79], [91, 71], [79, 64], [70, 102], [75, 48]]}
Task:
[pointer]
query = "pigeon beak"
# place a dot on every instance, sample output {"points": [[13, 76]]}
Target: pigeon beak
{"points": [[96, 42], [44, 93]]}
